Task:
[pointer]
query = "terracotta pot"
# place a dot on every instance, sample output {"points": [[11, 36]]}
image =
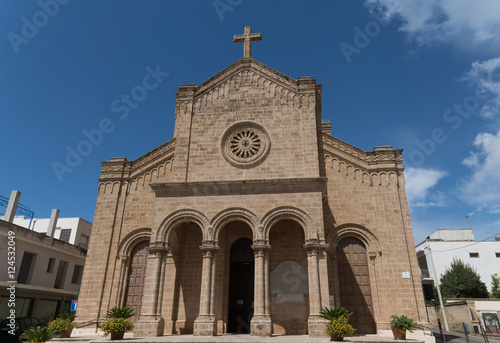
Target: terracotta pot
{"points": [[118, 335], [66, 333], [398, 334], [334, 337]]}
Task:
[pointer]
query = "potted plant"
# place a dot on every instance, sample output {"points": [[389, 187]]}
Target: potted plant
{"points": [[338, 325], [117, 322], [401, 324], [338, 328], [38, 335], [117, 327], [63, 324]]}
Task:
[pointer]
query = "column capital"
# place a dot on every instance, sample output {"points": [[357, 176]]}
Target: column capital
{"points": [[208, 248], [157, 249], [260, 249], [315, 244]]}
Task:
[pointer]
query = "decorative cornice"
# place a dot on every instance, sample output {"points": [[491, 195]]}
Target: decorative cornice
{"points": [[154, 155], [383, 158], [247, 64], [269, 186], [120, 168]]}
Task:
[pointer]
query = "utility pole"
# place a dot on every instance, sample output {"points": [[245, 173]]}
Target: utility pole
{"points": [[437, 286]]}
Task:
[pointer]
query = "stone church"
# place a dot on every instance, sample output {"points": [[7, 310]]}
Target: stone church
{"points": [[252, 218]]}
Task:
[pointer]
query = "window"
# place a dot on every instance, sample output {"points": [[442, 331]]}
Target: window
{"points": [[26, 269], [474, 254], [50, 267], [497, 254], [65, 234], [77, 274], [84, 241], [61, 274]]}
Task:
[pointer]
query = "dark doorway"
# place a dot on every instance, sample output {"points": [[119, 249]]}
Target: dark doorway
{"points": [[354, 284], [241, 278]]}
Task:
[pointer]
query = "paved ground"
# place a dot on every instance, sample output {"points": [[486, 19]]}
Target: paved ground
{"points": [[234, 339], [453, 337]]}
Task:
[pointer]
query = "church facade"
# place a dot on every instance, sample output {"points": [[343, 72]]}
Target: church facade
{"points": [[252, 218]]}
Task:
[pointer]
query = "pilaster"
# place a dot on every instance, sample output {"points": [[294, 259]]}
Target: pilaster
{"points": [[316, 324], [261, 323], [150, 323], [205, 324]]}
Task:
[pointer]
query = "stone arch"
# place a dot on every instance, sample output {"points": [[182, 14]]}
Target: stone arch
{"points": [[182, 216], [125, 255], [287, 212], [233, 214], [131, 239], [354, 230]]}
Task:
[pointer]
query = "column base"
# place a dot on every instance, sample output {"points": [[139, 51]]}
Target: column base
{"points": [[316, 326], [149, 327], [261, 326], [204, 326]]}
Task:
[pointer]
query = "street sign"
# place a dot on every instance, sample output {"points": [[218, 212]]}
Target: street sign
{"points": [[74, 305]]}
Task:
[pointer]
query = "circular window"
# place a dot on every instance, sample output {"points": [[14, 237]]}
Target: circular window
{"points": [[245, 144]]}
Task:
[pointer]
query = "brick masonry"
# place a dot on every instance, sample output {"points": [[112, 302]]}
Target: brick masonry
{"points": [[297, 202]]}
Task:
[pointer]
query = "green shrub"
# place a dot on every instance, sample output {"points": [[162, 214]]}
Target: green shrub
{"points": [[334, 313], [402, 323], [60, 324], [38, 335], [66, 315], [120, 312]]}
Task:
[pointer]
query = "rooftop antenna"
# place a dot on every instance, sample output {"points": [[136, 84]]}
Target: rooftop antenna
{"points": [[468, 221]]}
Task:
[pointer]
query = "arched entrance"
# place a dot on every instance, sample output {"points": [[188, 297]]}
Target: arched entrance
{"points": [[136, 276], [354, 283], [241, 286], [288, 278]]}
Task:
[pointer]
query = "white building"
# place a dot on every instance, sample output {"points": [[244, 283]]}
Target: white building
{"points": [[74, 231], [448, 244], [41, 265]]}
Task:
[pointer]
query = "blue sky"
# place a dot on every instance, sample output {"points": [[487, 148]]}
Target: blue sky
{"points": [[419, 75]]}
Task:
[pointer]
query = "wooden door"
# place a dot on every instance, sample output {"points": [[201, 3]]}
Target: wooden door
{"points": [[354, 284], [136, 276]]}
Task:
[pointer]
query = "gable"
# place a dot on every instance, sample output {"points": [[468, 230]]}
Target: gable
{"points": [[251, 97]]}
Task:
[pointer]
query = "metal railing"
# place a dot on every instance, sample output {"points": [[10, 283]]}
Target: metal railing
{"points": [[96, 321]]}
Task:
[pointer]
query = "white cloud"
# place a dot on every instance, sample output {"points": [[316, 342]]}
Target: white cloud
{"points": [[485, 76], [471, 160], [482, 188], [429, 21], [419, 185]]}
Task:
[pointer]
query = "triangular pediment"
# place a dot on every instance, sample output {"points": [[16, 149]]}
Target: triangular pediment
{"points": [[251, 70]]}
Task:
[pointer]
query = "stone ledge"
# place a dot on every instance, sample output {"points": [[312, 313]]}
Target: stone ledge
{"points": [[266, 186]]}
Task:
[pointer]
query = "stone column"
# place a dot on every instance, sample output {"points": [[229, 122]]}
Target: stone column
{"points": [[212, 288], [150, 323], [124, 268], [267, 285], [261, 324], [316, 324], [205, 324]]}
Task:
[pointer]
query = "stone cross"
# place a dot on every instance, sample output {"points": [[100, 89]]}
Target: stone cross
{"points": [[247, 39]]}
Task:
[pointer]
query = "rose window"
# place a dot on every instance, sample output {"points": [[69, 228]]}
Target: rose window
{"points": [[245, 144]]}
